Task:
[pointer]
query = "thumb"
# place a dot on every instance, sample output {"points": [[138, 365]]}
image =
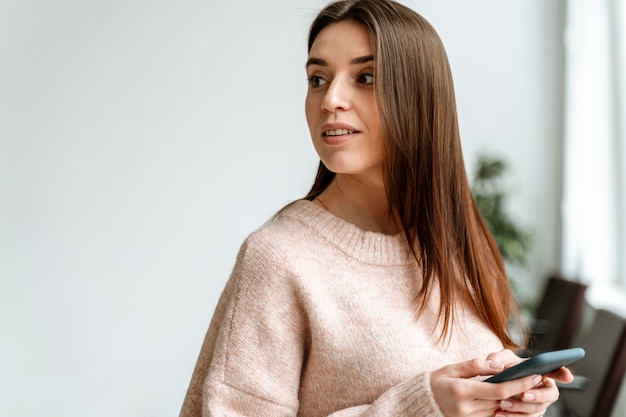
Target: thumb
{"points": [[474, 367]]}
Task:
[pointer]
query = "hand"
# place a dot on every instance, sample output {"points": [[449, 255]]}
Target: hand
{"points": [[533, 402], [530, 403], [459, 396], [508, 358]]}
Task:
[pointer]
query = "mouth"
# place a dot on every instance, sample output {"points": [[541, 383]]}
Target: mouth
{"points": [[339, 132]]}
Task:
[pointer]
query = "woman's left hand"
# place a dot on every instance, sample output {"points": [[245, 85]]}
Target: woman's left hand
{"points": [[534, 402]]}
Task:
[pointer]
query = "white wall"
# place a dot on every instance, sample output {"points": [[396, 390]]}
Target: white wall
{"points": [[506, 62], [141, 141]]}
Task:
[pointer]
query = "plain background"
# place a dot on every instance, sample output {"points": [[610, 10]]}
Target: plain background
{"points": [[141, 141]]}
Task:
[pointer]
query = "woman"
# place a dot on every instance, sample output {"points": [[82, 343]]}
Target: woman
{"points": [[381, 292]]}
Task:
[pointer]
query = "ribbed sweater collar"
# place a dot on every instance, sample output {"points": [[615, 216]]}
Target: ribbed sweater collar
{"points": [[364, 246]]}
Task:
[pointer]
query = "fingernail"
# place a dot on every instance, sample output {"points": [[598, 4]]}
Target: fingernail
{"points": [[506, 404], [528, 396], [536, 379], [496, 365]]}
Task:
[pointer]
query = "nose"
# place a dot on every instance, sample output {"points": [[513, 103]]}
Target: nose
{"points": [[338, 96]]}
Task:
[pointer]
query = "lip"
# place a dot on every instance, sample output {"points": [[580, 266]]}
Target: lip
{"points": [[339, 139], [335, 126]]}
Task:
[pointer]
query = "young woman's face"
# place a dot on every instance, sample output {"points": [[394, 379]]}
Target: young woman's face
{"points": [[340, 105]]}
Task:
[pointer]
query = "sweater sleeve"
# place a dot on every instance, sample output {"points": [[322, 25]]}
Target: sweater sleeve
{"points": [[250, 362], [252, 358], [410, 398]]}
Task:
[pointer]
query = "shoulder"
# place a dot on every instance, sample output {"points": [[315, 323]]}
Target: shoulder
{"points": [[274, 249], [292, 229]]}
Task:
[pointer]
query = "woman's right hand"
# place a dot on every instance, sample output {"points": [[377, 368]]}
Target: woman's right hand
{"points": [[460, 396]]}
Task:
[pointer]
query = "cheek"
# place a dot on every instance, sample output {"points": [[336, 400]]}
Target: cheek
{"points": [[368, 110], [373, 120], [311, 112]]}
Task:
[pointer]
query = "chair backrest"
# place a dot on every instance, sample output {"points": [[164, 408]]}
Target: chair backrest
{"points": [[603, 366], [558, 317]]}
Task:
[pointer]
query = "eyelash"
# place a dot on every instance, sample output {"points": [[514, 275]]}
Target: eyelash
{"points": [[365, 75], [315, 80]]}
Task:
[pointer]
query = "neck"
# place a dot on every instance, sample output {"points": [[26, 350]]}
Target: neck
{"points": [[361, 203]]}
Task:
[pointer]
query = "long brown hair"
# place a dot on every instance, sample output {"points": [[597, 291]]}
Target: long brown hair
{"points": [[425, 178]]}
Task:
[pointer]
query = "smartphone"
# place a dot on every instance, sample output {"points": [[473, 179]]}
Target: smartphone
{"points": [[540, 364]]}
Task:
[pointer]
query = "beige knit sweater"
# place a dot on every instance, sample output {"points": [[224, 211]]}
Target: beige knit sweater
{"points": [[318, 319]]}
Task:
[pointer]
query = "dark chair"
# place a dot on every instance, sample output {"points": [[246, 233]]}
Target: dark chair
{"points": [[558, 316], [602, 369]]}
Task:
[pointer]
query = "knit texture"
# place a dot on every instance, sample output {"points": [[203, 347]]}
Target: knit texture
{"points": [[319, 319]]}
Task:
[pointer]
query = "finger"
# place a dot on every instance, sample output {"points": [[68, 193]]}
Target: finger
{"points": [[479, 408], [471, 368], [509, 389], [533, 401], [506, 356], [506, 413], [521, 409], [563, 375], [547, 394], [516, 407]]}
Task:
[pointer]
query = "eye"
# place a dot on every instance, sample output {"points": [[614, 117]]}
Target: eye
{"points": [[316, 81], [366, 79]]}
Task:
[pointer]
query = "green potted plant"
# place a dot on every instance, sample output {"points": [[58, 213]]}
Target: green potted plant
{"points": [[513, 241]]}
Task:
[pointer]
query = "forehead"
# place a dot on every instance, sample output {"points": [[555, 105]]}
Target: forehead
{"points": [[348, 39]]}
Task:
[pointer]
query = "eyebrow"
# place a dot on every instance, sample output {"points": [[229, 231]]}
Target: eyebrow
{"points": [[355, 61]]}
